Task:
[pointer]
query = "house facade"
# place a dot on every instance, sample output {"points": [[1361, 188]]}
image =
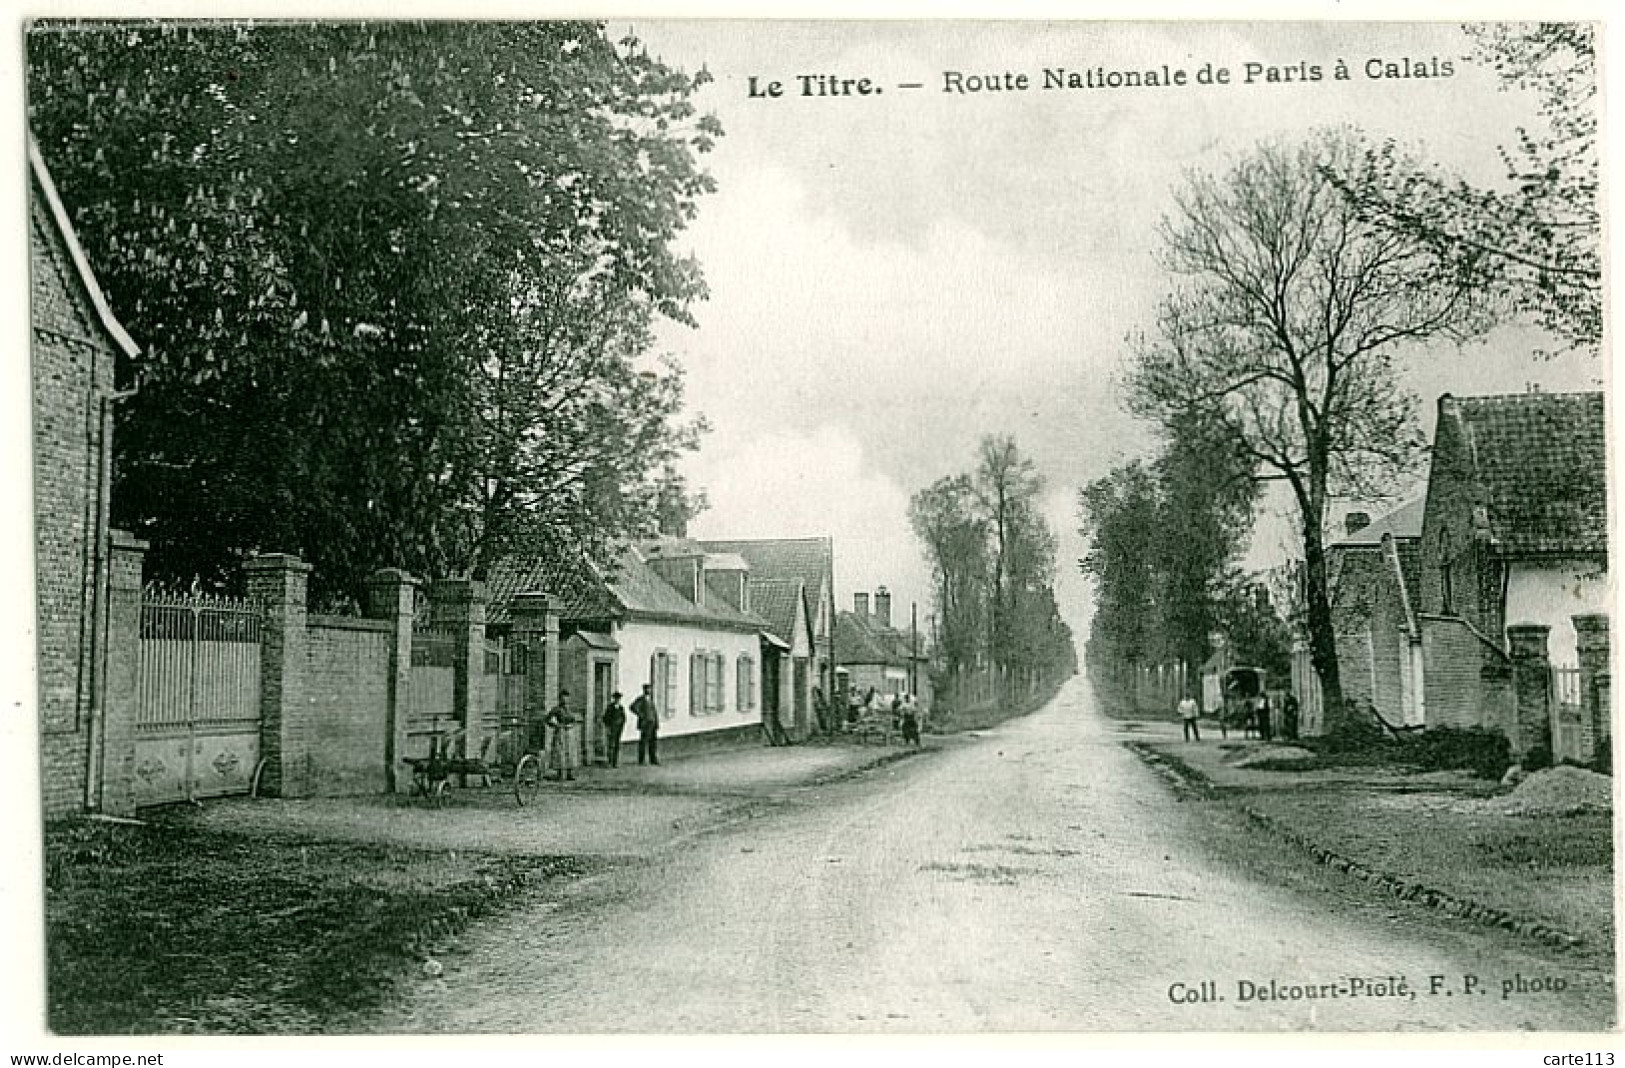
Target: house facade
{"points": [[664, 615], [810, 564], [788, 651], [873, 654], [77, 343], [1374, 572], [1514, 537]]}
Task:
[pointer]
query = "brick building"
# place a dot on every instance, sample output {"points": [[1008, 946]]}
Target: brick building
{"points": [[874, 654], [77, 343], [1514, 536], [1374, 572]]}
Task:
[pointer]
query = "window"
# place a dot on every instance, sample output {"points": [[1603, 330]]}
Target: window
{"points": [[745, 684], [663, 683], [707, 682]]}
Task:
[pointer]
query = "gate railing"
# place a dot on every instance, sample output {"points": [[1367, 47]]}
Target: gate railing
{"points": [[199, 662], [1567, 704]]}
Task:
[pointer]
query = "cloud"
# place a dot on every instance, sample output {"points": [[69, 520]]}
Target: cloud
{"points": [[792, 483]]}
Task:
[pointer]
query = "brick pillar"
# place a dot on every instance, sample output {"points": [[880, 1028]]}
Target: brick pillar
{"points": [[458, 605], [122, 681], [392, 596], [279, 583], [535, 619], [1596, 717], [1531, 686]]}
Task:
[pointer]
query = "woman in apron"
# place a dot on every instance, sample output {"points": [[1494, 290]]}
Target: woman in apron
{"points": [[564, 743]]}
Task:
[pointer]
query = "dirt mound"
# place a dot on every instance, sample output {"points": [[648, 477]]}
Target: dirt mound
{"points": [[1559, 791], [1275, 758]]}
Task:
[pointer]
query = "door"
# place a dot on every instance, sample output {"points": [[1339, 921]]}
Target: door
{"points": [[770, 683], [602, 686], [800, 680]]}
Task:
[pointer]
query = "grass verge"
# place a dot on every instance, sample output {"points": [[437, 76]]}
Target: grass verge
{"points": [[1558, 870], [167, 929]]}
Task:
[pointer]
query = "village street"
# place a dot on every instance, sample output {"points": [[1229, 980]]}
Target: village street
{"points": [[1038, 877]]}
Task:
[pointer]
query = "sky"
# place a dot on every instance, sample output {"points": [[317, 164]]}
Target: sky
{"points": [[894, 276]]}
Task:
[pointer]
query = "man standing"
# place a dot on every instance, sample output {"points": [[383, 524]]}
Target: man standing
{"points": [[614, 723], [1188, 712], [648, 717]]}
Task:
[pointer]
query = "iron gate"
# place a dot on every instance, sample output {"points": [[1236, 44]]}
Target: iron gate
{"points": [[197, 730], [502, 709]]}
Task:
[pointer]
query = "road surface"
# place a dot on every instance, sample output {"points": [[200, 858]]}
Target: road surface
{"points": [[1036, 878]]}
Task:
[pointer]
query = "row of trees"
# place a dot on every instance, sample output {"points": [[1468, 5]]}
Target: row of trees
{"points": [[992, 556], [394, 282], [1163, 539], [1297, 277]]}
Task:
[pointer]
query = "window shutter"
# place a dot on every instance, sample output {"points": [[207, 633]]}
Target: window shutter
{"points": [[720, 698], [740, 691], [696, 683], [671, 685]]}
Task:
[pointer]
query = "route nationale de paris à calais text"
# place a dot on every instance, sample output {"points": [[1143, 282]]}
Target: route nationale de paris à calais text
{"points": [[1165, 76]]}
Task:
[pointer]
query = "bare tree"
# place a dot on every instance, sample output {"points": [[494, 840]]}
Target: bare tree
{"points": [[1281, 330]]}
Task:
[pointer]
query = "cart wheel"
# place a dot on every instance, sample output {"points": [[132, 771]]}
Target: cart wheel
{"points": [[527, 779], [437, 794]]}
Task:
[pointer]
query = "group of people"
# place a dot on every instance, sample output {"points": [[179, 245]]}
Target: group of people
{"points": [[1258, 715], [564, 738], [904, 710]]}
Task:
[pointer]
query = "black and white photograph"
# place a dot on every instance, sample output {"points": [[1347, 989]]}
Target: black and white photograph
{"points": [[656, 527]]}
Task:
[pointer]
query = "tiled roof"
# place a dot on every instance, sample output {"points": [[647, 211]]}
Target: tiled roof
{"points": [[1403, 522], [776, 603], [1540, 460], [631, 588], [568, 576], [862, 640], [782, 559]]}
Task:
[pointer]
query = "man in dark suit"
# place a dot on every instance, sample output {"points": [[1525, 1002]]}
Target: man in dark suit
{"points": [[648, 717]]}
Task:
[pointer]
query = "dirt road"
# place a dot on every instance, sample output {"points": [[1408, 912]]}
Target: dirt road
{"points": [[1037, 878]]}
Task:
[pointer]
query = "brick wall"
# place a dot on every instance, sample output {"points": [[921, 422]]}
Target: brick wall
{"points": [[1449, 536], [344, 734], [1458, 691], [1390, 646], [72, 365]]}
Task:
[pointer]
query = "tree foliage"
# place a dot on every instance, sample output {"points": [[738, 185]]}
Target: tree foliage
{"points": [[1287, 311], [1537, 236], [1162, 540], [993, 557], [394, 282]]}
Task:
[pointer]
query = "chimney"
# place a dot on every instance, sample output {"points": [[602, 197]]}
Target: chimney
{"points": [[1355, 522], [883, 606], [860, 604]]}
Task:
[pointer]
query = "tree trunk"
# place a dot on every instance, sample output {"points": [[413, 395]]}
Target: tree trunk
{"points": [[1322, 637]]}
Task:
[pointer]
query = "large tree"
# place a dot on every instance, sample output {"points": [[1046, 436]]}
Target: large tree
{"points": [[993, 556], [1118, 515], [1286, 311], [394, 281], [1006, 485], [945, 519], [1536, 235]]}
